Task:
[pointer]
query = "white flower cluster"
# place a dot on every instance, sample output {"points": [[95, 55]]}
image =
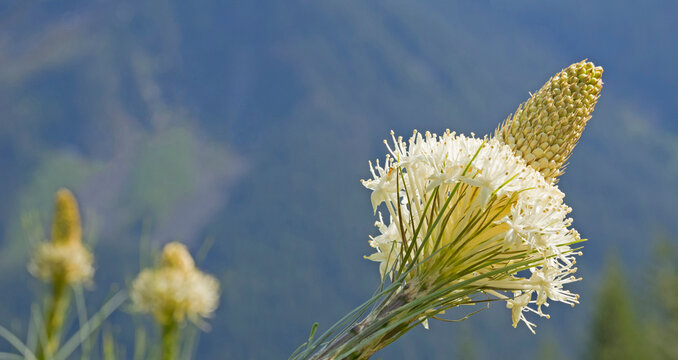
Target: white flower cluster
{"points": [[498, 211], [70, 262], [172, 294], [175, 289]]}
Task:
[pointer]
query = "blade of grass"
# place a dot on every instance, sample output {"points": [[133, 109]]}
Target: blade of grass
{"points": [[108, 344], [10, 356], [14, 341], [33, 328], [97, 319], [204, 249], [189, 343], [139, 343], [81, 309]]}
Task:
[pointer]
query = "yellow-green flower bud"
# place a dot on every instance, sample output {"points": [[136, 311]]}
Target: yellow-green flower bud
{"points": [[66, 228], [545, 129], [175, 255]]}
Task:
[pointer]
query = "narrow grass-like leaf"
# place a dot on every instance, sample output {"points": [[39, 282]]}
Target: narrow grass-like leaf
{"points": [[16, 343], [10, 356], [81, 309], [139, 343], [204, 249], [33, 328], [91, 325]]}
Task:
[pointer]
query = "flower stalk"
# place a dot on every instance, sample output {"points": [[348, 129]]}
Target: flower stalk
{"points": [[471, 221], [364, 339], [172, 292], [63, 262], [54, 319], [170, 340]]}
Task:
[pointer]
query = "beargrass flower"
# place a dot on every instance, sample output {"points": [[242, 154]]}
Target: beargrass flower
{"points": [[472, 221], [64, 258], [176, 289], [463, 207], [63, 261]]}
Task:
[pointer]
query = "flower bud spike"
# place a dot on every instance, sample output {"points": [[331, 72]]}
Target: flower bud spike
{"points": [[64, 259], [176, 255], [66, 228], [545, 129]]}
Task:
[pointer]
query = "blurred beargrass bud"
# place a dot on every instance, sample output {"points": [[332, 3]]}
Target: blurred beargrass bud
{"points": [[175, 255], [63, 261], [173, 291], [64, 258], [66, 228], [545, 129]]}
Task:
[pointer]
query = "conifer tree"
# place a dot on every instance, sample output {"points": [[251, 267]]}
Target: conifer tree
{"points": [[615, 329], [663, 326]]}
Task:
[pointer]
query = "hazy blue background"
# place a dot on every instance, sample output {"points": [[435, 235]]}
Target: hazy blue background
{"points": [[251, 123]]}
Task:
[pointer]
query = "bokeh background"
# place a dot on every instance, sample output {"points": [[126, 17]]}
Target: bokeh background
{"points": [[247, 125]]}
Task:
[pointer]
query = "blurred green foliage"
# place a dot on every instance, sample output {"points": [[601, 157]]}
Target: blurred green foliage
{"points": [[663, 300], [616, 331], [164, 173]]}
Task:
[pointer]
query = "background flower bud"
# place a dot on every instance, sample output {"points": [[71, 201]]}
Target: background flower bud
{"points": [[66, 228]]}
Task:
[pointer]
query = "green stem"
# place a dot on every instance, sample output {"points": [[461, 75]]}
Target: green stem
{"points": [[54, 320], [364, 330], [170, 340]]}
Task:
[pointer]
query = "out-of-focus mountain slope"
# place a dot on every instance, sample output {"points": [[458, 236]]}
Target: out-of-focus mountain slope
{"points": [[252, 123]]}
